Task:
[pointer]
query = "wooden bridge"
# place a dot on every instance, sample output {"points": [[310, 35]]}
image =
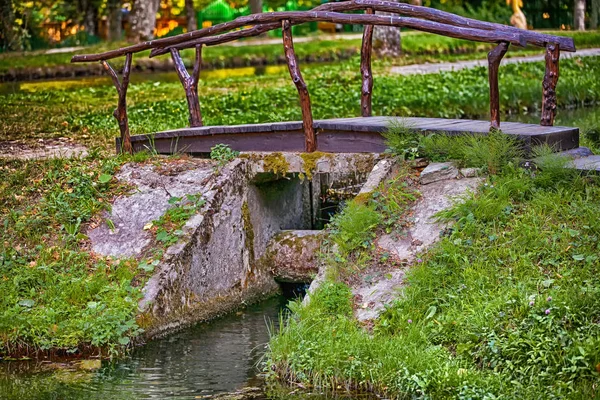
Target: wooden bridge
{"points": [[360, 134]]}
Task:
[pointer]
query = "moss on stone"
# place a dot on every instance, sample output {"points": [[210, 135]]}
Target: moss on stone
{"points": [[310, 161], [276, 163], [364, 163], [248, 230], [363, 198]]}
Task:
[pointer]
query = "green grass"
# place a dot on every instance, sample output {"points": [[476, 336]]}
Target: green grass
{"points": [[56, 296], [85, 113], [506, 305]]}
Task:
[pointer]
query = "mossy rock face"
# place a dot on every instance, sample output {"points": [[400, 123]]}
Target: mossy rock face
{"points": [[248, 230], [292, 256], [276, 163], [310, 161]]}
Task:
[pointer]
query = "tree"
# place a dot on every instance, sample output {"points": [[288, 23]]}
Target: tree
{"points": [[190, 11], [88, 13], [143, 19], [579, 15], [386, 39], [115, 16], [595, 14], [255, 6], [9, 37]]}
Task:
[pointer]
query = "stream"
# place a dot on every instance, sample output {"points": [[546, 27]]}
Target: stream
{"points": [[208, 358]]}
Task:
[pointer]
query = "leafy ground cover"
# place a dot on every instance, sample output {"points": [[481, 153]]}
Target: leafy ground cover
{"points": [[418, 47], [57, 297], [84, 114], [506, 305]]}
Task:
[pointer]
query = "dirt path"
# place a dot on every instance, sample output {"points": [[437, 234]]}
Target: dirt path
{"points": [[455, 66]]}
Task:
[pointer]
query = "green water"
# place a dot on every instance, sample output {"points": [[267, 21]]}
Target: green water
{"points": [[88, 81], [209, 358]]}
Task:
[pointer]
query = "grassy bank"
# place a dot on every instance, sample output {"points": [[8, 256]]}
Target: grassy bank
{"points": [[418, 47], [55, 295], [506, 305]]}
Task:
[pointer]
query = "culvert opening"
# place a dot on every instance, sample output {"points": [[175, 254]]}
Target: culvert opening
{"points": [[334, 190], [299, 203], [288, 216]]}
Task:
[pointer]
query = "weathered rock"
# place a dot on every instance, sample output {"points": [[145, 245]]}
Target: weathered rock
{"points": [[129, 214], [423, 232], [579, 152], [589, 164], [383, 170], [216, 264], [374, 297], [292, 256], [435, 172], [470, 172]]}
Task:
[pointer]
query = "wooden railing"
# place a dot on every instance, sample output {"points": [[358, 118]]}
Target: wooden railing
{"points": [[415, 17]]}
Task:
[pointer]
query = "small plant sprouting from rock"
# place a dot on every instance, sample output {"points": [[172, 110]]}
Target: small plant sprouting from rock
{"points": [[222, 154], [168, 227]]}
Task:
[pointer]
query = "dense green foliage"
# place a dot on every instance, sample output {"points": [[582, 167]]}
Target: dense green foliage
{"points": [[85, 113], [505, 306], [55, 295]]}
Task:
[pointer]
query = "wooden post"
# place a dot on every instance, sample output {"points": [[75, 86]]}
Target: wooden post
{"points": [[190, 84], [549, 85], [365, 69], [494, 58], [292, 60], [121, 111]]}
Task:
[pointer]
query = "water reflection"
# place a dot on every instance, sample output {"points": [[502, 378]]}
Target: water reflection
{"points": [[138, 77], [209, 358]]}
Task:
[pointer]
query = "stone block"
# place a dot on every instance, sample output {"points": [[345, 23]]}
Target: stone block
{"points": [[435, 172]]}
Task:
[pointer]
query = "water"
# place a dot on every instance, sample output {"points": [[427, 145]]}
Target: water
{"points": [[137, 77], [209, 358]]}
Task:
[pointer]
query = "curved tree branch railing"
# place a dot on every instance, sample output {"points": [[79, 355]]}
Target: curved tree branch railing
{"points": [[415, 17]]}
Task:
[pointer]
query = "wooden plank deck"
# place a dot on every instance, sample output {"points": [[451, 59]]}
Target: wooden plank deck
{"points": [[340, 135]]}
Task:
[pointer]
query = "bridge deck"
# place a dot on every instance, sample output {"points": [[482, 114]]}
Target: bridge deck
{"points": [[340, 135]]}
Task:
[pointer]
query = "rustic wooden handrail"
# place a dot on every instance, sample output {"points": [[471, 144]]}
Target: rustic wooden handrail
{"points": [[415, 17]]}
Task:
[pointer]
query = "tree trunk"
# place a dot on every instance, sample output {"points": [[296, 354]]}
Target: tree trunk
{"points": [[386, 40], [143, 19], [10, 39], [192, 24], [255, 6], [114, 20], [89, 12], [595, 14], [579, 15]]}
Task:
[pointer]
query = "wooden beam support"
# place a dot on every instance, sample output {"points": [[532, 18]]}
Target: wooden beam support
{"points": [[432, 14], [186, 40], [494, 58], [121, 111], [549, 85], [190, 84], [365, 69], [307, 119]]}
